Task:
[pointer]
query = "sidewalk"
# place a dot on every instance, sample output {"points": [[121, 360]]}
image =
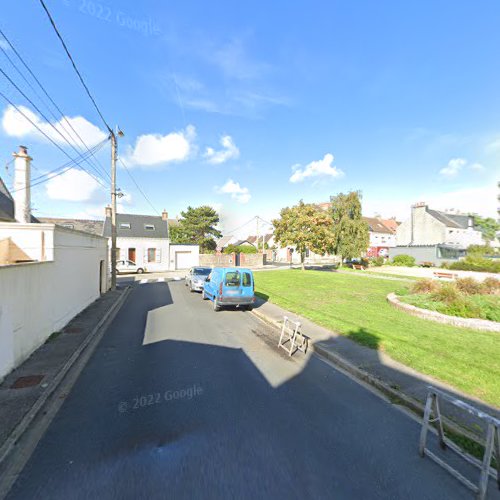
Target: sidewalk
{"points": [[25, 389], [401, 384]]}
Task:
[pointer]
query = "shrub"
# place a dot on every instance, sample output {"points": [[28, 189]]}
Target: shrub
{"points": [[445, 265], [425, 286], [477, 263], [377, 261], [240, 249], [479, 250], [490, 286], [465, 308], [468, 286], [447, 292], [403, 260]]}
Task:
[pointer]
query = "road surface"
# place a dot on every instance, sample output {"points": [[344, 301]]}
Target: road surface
{"points": [[179, 401]]}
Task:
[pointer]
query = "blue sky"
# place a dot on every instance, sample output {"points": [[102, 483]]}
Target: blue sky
{"points": [[252, 107]]}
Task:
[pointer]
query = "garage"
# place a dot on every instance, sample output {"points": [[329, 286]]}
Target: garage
{"points": [[184, 256]]}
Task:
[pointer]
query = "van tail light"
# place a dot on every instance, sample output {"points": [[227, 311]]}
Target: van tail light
{"points": [[220, 289]]}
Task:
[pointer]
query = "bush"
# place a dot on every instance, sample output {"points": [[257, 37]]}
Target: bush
{"points": [[377, 261], [490, 286], [477, 263], [479, 250], [240, 249], [425, 286], [403, 260], [447, 292], [468, 286]]}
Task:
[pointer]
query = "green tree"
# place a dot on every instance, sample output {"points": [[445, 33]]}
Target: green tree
{"points": [[306, 227], [197, 227], [351, 235], [240, 249], [488, 226]]}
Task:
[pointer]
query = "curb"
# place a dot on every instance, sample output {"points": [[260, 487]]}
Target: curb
{"points": [[484, 325], [396, 396], [18, 431]]}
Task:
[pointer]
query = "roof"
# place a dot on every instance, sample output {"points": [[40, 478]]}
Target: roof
{"points": [[392, 224], [253, 239], [224, 241], [241, 242], [85, 225], [137, 226], [450, 220], [377, 226], [6, 204]]}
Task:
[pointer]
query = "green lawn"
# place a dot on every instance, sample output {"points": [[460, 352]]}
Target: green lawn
{"points": [[356, 306]]}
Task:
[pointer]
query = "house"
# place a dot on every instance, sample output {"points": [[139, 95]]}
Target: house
{"points": [[268, 240], [434, 236], [382, 237], [432, 227], [225, 241], [144, 239]]}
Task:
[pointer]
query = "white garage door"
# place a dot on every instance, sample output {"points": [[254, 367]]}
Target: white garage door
{"points": [[183, 260]]}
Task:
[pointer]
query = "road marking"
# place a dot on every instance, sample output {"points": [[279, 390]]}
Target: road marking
{"points": [[161, 280], [142, 282]]}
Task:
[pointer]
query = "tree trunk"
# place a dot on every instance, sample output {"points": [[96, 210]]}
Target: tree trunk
{"points": [[302, 258]]}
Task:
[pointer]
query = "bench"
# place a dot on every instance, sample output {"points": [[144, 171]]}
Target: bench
{"points": [[444, 274], [359, 267]]}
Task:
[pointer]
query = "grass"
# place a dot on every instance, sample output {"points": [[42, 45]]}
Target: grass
{"points": [[356, 306], [483, 306]]}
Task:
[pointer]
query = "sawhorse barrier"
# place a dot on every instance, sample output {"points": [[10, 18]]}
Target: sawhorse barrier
{"points": [[492, 445], [290, 332]]}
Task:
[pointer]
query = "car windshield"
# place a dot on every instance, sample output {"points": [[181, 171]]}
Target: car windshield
{"points": [[201, 271]]}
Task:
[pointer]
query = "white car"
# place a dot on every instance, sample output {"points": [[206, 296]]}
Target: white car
{"points": [[128, 266]]}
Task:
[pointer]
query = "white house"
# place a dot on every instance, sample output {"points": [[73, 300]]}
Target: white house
{"points": [[432, 227], [382, 237], [144, 239]]}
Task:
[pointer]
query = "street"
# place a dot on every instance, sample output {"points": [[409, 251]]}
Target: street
{"points": [[179, 401]]}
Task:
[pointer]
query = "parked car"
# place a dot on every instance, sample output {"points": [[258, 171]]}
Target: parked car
{"points": [[128, 266], [195, 278], [230, 286]]}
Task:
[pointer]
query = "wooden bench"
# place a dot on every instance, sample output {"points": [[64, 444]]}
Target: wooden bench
{"points": [[444, 274], [359, 267]]}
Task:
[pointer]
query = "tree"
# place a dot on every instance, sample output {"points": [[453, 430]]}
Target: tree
{"points": [[197, 227], [488, 226], [240, 249], [351, 235], [306, 227]]}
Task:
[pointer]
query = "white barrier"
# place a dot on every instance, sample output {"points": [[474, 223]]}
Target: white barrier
{"points": [[290, 332]]}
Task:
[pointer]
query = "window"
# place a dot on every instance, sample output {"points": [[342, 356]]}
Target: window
{"points": [[151, 254], [247, 280], [149, 227], [125, 225], [233, 278]]}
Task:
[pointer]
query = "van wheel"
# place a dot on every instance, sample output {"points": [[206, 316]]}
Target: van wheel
{"points": [[140, 270], [247, 308], [216, 306]]}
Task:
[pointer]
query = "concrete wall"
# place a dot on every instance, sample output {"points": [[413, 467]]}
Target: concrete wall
{"points": [[421, 254], [39, 298], [252, 259], [426, 229], [34, 239], [193, 259], [220, 260]]}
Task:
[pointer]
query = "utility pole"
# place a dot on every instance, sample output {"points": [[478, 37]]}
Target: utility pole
{"points": [[113, 210], [257, 219], [114, 153]]}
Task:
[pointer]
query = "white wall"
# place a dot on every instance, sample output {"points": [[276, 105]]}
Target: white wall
{"points": [[382, 239], [194, 254], [34, 239], [39, 298]]}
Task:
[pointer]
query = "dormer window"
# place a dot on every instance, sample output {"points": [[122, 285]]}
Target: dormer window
{"points": [[125, 225], [149, 227]]}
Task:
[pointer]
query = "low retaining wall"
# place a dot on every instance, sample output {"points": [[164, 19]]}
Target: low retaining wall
{"points": [[475, 323]]}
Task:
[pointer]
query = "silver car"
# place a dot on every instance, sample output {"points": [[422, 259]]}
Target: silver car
{"points": [[195, 278]]}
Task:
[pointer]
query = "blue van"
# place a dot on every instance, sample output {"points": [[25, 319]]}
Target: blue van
{"points": [[230, 286]]}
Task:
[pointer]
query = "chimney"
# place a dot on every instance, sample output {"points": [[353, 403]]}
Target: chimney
{"points": [[164, 215], [107, 211], [416, 209], [22, 185]]}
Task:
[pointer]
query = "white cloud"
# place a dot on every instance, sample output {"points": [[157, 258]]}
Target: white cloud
{"points": [[319, 168], [73, 185], [238, 193], [494, 145], [229, 151], [155, 149], [453, 167], [16, 125], [478, 167]]}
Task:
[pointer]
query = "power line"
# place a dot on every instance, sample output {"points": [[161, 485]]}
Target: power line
{"points": [[45, 135], [137, 185], [47, 120], [243, 225], [74, 65], [63, 116]]}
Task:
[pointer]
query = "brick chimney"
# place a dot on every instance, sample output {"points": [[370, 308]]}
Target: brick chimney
{"points": [[164, 215], [107, 211], [22, 185]]}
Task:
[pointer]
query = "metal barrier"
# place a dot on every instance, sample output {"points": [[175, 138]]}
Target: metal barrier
{"points": [[290, 332], [492, 445]]}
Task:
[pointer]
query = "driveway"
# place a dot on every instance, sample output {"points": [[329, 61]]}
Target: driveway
{"points": [[179, 401]]}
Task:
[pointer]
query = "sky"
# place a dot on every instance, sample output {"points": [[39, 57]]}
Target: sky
{"points": [[252, 106]]}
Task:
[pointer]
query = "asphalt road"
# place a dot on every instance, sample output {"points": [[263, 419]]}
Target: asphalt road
{"points": [[179, 401]]}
